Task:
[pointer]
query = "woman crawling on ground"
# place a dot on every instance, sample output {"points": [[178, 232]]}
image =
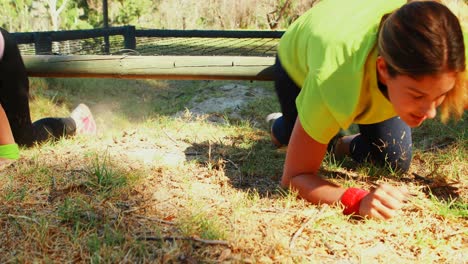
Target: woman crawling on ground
{"points": [[384, 65]]}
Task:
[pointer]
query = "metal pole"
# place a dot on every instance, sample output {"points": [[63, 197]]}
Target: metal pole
{"points": [[106, 26]]}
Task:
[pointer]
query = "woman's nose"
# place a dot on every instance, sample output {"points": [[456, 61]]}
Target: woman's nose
{"points": [[430, 110]]}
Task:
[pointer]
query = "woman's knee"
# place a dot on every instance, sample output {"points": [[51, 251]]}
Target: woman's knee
{"points": [[388, 143], [396, 161], [394, 154]]}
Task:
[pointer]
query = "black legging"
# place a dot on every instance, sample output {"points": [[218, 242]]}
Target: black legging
{"points": [[14, 98], [385, 143]]}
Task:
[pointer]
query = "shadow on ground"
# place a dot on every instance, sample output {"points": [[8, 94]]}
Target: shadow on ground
{"points": [[256, 168]]}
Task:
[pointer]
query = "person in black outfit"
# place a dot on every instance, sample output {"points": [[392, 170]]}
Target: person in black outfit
{"points": [[16, 126]]}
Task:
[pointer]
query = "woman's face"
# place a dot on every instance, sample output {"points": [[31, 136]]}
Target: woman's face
{"points": [[416, 100]]}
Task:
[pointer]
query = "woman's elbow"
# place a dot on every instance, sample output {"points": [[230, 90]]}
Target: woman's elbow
{"points": [[286, 181]]}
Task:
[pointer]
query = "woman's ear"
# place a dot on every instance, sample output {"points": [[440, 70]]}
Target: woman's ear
{"points": [[382, 70]]}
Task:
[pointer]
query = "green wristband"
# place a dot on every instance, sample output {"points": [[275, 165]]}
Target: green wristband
{"points": [[10, 151]]}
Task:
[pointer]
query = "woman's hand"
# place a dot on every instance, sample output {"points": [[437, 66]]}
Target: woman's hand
{"points": [[383, 202]]}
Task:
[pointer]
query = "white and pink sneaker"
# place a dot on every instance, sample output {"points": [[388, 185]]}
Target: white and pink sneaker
{"points": [[85, 124]]}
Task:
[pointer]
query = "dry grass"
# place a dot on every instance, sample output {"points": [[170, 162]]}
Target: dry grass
{"points": [[153, 187]]}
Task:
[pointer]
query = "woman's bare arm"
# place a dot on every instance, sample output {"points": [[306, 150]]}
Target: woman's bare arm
{"points": [[303, 160], [301, 167]]}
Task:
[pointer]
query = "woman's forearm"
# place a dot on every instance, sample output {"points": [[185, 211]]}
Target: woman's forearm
{"points": [[301, 169], [316, 190]]}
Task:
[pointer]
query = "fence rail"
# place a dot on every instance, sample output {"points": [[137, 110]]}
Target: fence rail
{"points": [[43, 40], [151, 67]]}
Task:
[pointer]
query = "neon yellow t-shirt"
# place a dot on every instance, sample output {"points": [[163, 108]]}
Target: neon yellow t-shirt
{"points": [[325, 53]]}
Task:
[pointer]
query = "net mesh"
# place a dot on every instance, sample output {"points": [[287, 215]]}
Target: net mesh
{"points": [[167, 46]]}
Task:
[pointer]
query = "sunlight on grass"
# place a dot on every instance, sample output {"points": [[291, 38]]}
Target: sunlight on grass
{"points": [[203, 225], [104, 178], [450, 208]]}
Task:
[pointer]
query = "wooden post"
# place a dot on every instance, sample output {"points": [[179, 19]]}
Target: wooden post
{"points": [[130, 37], [43, 43]]}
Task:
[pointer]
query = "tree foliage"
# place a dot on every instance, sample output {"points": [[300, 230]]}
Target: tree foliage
{"points": [[43, 15], [129, 11], [16, 14], [38, 15], [34, 15]]}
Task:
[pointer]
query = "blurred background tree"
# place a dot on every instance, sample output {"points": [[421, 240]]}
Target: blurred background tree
{"points": [[42, 15], [46, 15]]}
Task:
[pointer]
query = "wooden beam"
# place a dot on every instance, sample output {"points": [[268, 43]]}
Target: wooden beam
{"points": [[151, 67]]}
